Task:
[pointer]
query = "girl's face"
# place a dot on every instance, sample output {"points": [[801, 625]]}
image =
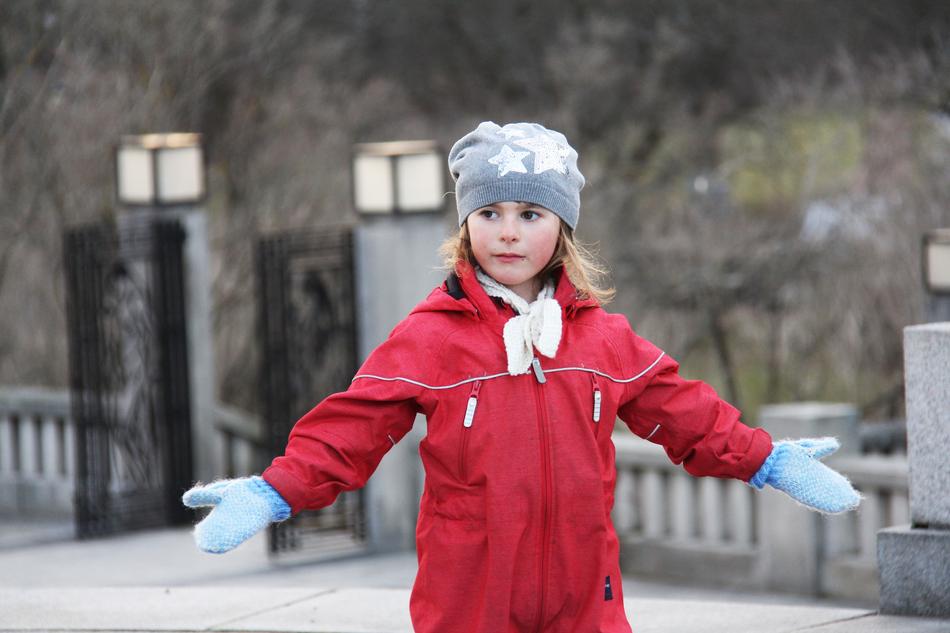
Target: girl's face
{"points": [[512, 242]]}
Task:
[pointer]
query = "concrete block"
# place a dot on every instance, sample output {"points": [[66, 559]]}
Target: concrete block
{"points": [[927, 388], [914, 566]]}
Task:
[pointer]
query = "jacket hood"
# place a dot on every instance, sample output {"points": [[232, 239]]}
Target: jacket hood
{"points": [[461, 292]]}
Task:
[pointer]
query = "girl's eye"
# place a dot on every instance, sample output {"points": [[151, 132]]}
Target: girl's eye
{"points": [[527, 214]]}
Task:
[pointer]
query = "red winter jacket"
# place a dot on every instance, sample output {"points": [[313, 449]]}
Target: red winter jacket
{"points": [[514, 529]]}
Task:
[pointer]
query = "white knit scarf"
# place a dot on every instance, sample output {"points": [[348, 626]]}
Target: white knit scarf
{"points": [[538, 324]]}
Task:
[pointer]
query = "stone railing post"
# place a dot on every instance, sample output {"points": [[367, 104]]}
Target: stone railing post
{"points": [[914, 560], [791, 536]]}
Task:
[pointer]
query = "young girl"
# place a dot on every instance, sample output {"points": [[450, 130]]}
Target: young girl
{"points": [[520, 374]]}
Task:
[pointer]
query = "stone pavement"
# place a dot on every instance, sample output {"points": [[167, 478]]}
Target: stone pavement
{"points": [[158, 581], [360, 610]]}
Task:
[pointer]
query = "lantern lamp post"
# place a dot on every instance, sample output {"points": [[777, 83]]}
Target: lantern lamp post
{"points": [[398, 178], [160, 170]]}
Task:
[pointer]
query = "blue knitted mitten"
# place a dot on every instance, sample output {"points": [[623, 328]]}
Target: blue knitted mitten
{"points": [[243, 507], [793, 468]]}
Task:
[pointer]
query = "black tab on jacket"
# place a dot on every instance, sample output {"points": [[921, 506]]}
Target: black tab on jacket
{"points": [[453, 286]]}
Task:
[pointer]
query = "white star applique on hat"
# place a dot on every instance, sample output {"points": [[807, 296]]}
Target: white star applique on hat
{"points": [[509, 160], [548, 153]]}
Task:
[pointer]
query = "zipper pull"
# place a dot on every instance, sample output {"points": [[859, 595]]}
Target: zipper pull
{"points": [[536, 365], [472, 403], [593, 379]]}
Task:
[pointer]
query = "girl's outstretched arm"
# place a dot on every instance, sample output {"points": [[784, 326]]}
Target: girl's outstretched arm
{"points": [[704, 433], [334, 447], [338, 444], [694, 425]]}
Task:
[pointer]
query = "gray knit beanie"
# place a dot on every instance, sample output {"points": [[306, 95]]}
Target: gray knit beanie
{"points": [[520, 162]]}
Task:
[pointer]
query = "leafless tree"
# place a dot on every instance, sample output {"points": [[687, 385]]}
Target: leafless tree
{"points": [[649, 90]]}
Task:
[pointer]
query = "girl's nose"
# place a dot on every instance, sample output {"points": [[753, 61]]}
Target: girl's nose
{"points": [[509, 229]]}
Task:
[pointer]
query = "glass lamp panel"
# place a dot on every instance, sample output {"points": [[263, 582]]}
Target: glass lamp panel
{"points": [[180, 175], [419, 178], [373, 184], [938, 266], [135, 175]]}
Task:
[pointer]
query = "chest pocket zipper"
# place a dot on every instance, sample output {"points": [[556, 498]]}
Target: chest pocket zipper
{"points": [[467, 425], [597, 397]]}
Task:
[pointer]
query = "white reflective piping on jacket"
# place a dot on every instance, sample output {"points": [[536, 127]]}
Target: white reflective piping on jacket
{"points": [[422, 384], [547, 371], [600, 373]]}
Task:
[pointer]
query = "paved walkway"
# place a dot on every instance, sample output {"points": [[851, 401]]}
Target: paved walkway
{"points": [[159, 581]]}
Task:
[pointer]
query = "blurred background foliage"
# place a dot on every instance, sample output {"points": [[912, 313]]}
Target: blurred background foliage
{"points": [[759, 173]]}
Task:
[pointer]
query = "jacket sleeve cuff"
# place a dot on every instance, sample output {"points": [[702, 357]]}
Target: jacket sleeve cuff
{"points": [[289, 489], [758, 453]]}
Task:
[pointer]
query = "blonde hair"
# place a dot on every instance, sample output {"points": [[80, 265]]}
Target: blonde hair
{"points": [[578, 260]]}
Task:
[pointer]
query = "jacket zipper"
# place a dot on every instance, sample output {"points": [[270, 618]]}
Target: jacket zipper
{"points": [[536, 366], [597, 397], [546, 484], [467, 424]]}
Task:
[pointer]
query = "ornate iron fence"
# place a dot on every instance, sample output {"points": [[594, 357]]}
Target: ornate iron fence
{"points": [[309, 350], [128, 375]]}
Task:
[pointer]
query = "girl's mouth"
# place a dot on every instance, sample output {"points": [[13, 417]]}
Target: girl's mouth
{"points": [[509, 258]]}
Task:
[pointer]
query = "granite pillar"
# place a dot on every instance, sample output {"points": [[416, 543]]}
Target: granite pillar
{"points": [[914, 560], [396, 263]]}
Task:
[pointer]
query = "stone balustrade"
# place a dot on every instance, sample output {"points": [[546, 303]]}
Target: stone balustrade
{"points": [[37, 455], [719, 531]]}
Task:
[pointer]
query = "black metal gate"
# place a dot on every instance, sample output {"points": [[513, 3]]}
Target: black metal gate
{"points": [[309, 350], [128, 375]]}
